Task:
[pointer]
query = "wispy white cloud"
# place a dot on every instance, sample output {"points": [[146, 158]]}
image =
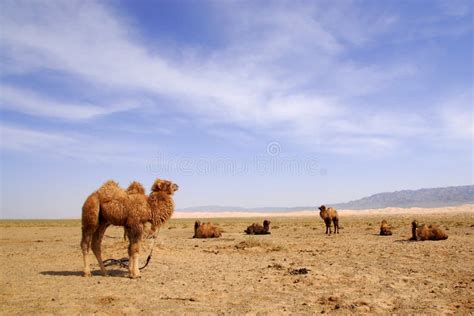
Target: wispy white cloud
{"points": [[24, 139], [70, 146], [456, 117], [455, 7], [290, 73], [31, 103]]}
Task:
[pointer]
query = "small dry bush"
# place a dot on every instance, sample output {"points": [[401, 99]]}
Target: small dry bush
{"points": [[254, 243]]}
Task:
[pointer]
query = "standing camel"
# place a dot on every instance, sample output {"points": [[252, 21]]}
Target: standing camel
{"points": [[112, 205], [329, 214]]}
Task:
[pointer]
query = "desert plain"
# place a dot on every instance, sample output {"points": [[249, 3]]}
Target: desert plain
{"points": [[296, 269]]}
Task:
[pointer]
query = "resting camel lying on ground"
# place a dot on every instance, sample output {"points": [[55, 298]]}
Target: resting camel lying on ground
{"points": [[385, 229], [257, 229], [425, 232], [206, 230]]}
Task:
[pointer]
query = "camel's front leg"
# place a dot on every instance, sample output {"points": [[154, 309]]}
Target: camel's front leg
{"points": [[133, 253], [336, 226], [151, 232]]}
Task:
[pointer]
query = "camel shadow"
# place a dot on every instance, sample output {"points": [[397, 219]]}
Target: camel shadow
{"points": [[112, 273], [404, 241]]}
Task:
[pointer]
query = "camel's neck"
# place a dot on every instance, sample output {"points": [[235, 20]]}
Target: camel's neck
{"points": [[413, 230], [162, 207]]}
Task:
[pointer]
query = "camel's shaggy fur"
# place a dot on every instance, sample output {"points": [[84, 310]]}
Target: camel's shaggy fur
{"points": [[131, 208], [329, 214], [257, 229], [206, 230], [425, 232], [135, 188], [385, 229]]}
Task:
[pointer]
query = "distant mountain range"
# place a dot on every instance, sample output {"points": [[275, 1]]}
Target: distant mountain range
{"points": [[433, 197]]}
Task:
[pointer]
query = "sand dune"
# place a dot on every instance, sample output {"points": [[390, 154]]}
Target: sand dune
{"points": [[469, 208]]}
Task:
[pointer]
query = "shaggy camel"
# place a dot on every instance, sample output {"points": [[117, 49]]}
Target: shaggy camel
{"points": [[385, 229], [112, 205], [329, 214], [425, 232], [206, 230], [257, 229]]}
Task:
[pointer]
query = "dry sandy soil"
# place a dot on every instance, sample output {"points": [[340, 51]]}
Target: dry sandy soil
{"points": [[356, 271]]}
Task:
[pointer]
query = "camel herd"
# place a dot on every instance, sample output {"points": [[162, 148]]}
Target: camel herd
{"points": [[133, 209]]}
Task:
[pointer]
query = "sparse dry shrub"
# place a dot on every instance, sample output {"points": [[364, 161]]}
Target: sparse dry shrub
{"points": [[254, 243]]}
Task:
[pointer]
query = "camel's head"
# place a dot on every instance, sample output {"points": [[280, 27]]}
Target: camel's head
{"points": [[322, 208], [164, 186], [266, 223], [414, 226], [197, 224]]}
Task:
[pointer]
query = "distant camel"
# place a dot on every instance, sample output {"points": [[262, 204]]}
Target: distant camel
{"points": [[206, 230], [385, 229], [257, 229], [112, 205], [329, 214], [425, 232]]}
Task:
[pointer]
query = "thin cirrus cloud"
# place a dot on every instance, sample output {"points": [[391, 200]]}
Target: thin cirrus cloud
{"points": [[292, 70], [26, 139], [31, 103], [68, 145]]}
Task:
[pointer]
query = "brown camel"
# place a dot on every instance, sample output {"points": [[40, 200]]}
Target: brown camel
{"points": [[206, 230], [385, 229], [112, 205], [329, 214], [425, 232], [257, 229]]}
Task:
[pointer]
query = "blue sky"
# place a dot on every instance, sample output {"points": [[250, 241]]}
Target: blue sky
{"points": [[262, 103]]}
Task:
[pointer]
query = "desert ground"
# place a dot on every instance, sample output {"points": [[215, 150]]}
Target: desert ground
{"points": [[296, 269]]}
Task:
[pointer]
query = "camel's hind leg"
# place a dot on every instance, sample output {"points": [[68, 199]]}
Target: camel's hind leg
{"points": [[85, 246], [328, 226], [135, 235], [90, 223], [336, 225], [96, 246]]}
